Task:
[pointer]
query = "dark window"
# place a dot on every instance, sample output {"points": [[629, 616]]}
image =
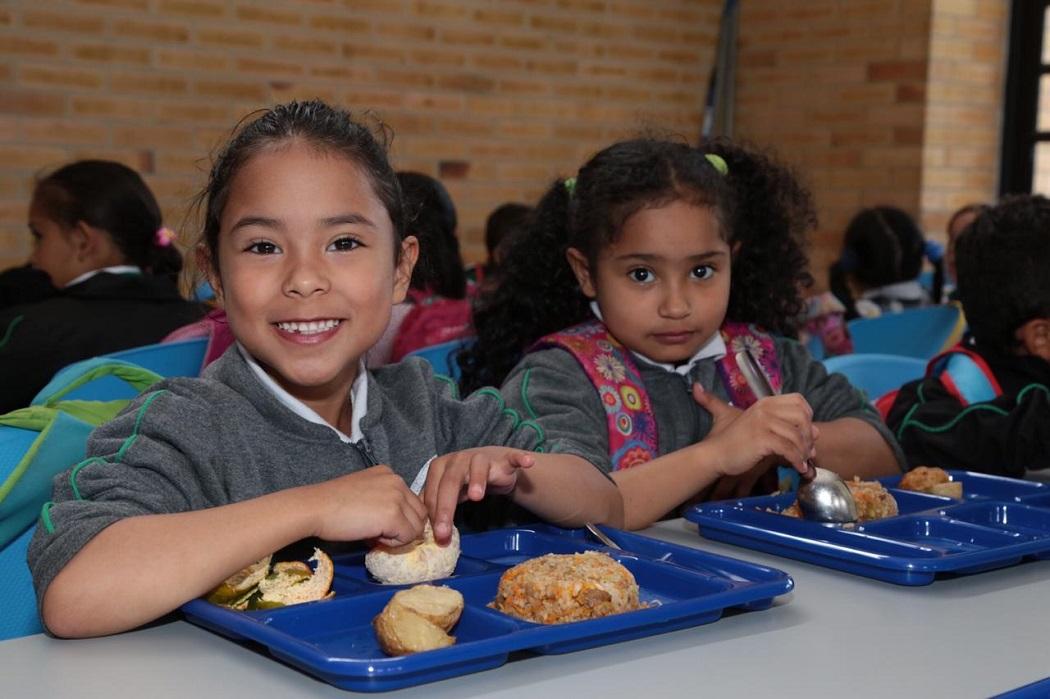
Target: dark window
{"points": [[1026, 114]]}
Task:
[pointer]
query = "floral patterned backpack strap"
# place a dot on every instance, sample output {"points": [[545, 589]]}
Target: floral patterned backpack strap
{"points": [[628, 411], [739, 336]]}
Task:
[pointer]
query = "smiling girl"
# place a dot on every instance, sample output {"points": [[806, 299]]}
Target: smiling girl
{"points": [[287, 436], [637, 282]]}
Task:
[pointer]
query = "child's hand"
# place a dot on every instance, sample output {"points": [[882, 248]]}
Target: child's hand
{"points": [[370, 504], [468, 474], [780, 427], [721, 417]]}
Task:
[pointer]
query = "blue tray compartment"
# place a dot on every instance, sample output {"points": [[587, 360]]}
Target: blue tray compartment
{"points": [[333, 639], [1000, 522]]}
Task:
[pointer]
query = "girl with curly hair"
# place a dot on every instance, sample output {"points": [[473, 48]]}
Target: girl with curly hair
{"points": [[621, 311]]}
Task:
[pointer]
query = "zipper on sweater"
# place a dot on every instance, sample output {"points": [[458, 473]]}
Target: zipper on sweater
{"points": [[362, 447]]}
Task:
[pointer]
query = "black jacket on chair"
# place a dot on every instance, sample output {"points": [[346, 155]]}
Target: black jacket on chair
{"points": [[103, 314]]}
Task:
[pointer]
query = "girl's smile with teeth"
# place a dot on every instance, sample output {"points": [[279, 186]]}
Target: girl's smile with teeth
{"points": [[310, 327]]}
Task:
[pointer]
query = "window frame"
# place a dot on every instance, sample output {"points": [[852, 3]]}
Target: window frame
{"points": [[1025, 67]]}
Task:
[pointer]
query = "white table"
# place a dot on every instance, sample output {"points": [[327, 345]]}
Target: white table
{"points": [[970, 636]]}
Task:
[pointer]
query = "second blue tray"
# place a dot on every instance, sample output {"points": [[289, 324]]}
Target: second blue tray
{"points": [[334, 639], [999, 522]]}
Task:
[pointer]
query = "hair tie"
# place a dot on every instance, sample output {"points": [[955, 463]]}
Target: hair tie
{"points": [[163, 237], [570, 186], [718, 163]]}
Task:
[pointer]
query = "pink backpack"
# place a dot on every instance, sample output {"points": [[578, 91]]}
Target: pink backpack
{"points": [[433, 320], [212, 326]]}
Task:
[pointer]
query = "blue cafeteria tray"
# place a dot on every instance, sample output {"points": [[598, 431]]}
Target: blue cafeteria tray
{"points": [[999, 522], [333, 639]]}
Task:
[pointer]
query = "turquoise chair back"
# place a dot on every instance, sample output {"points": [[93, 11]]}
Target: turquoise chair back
{"points": [[19, 617], [443, 357], [915, 332], [876, 374], [182, 358]]}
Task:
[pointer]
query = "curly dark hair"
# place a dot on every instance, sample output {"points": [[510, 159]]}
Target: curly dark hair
{"points": [[1002, 259], [759, 203]]}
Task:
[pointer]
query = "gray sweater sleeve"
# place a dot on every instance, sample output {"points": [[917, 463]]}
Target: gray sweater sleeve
{"points": [[830, 395], [136, 465], [556, 399]]}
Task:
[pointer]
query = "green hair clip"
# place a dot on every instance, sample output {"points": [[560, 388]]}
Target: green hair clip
{"points": [[570, 186], [718, 163]]}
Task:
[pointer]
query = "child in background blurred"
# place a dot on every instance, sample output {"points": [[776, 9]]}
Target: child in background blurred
{"points": [[505, 221], [959, 221], [98, 235], [878, 270], [287, 436], [985, 406], [629, 296]]}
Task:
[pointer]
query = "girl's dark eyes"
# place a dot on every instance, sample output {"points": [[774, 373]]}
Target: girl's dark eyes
{"points": [[345, 244], [703, 271], [640, 274], [262, 247]]}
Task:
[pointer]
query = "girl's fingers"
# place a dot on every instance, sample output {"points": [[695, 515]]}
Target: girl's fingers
{"points": [[477, 477], [521, 459], [447, 497]]}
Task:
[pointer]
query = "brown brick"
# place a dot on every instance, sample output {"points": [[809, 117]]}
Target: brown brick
{"points": [[112, 107], [341, 24], [231, 37], [554, 24], [121, 4], [897, 71], [406, 78], [192, 59], [467, 82], [444, 10], [233, 90], [31, 157], [345, 72], [466, 37], [64, 22], [284, 92], [524, 87], [197, 111], [500, 17], [52, 76], [306, 44], [111, 53], [30, 102], [64, 131], [406, 30], [25, 46], [151, 136], [254, 13], [373, 99], [148, 83], [204, 9], [438, 57], [522, 42], [268, 67], [370, 52], [497, 62], [166, 32]]}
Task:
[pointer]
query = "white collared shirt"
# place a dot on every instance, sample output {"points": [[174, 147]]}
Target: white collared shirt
{"points": [[115, 269], [358, 398], [715, 348]]}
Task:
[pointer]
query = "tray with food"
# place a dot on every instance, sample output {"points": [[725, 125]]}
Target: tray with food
{"points": [[912, 528], [445, 612]]}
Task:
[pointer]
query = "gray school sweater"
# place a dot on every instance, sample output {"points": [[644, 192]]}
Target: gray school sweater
{"points": [[191, 444], [550, 388]]}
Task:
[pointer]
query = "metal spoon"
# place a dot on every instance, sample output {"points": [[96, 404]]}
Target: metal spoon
{"points": [[822, 498], [602, 537]]}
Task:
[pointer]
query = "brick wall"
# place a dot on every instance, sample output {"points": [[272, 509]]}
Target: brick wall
{"points": [[495, 97], [878, 102]]}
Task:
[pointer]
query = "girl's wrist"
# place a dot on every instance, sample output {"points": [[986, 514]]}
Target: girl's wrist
{"points": [[708, 457]]}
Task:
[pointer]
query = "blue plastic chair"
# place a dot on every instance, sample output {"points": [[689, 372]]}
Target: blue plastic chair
{"points": [[916, 332], [876, 374], [20, 617], [183, 358], [443, 357]]}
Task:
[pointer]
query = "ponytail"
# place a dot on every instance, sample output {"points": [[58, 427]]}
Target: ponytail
{"points": [[538, 294]]}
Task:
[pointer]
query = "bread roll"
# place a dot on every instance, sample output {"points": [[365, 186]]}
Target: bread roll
{"points": [[418, 619], [416, 562]]}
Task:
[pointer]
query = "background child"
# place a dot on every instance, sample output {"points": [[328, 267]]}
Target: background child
{"points": [[958, 222], [879, 267], [97, 234], [652, 232], [995, 417], [286, 436]]}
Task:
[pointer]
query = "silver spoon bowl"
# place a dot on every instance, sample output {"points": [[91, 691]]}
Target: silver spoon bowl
{"points": [[822, 498]]}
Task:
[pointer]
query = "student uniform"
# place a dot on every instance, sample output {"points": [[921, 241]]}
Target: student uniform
{"points": [[1007, 434], [549, 388], [104, 313], [234, 435]]}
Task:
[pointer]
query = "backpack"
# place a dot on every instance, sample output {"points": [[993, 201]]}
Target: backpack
{"points": [[628, 410], [433, 320], [37, 443], [963, 373]]}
